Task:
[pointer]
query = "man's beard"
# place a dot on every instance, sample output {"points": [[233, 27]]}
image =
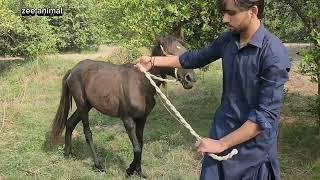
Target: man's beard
{"points": [[241, 28], [235, 30]]}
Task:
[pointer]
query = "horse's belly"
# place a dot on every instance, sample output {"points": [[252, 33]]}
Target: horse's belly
{"points": [[106, 105], [103, 95]]}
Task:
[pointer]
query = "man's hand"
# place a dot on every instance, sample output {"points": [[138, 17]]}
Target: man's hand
{"points": [[207, 145], [246, 132], [144, 63]]}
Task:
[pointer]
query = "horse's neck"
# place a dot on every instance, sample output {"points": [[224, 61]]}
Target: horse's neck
{"points": [[157, 72]]}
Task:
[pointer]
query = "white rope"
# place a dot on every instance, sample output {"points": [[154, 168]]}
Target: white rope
{"points": [[176, 73], [184, 123], [161, 79], [164, 52], [166, 80]]}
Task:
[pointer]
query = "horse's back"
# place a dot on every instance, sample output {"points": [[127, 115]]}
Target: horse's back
{"points": [[112, 89]]}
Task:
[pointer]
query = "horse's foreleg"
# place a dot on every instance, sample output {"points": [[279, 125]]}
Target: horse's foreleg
{"points": [[88, 135], [70, 125], [135, 166]]}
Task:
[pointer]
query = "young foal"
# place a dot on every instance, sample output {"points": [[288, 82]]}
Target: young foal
{"points": [[115, 90]]}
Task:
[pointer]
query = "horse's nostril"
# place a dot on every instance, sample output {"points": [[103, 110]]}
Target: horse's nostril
{"points": [[188, 78]]}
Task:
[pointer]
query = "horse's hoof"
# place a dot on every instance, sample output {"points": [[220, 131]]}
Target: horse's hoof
{"points": [[99, 167], [132, 171], [101, 173], [141, 175], [68, 156]]}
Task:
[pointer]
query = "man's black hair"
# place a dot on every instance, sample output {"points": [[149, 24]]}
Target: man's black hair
{"points": [[246, 4]]}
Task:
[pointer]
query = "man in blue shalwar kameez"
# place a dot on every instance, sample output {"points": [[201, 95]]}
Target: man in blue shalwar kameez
{"points": [[255, 67]]}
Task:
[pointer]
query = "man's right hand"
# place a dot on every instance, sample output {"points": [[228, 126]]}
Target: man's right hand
{"points": [[144, 63]]}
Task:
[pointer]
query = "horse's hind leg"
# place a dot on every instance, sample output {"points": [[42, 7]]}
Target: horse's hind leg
{"points": [[83, 107], [131, 127], [88, 135], [70, 125]]}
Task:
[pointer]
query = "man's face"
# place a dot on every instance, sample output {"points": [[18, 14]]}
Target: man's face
{"points": [[235, 18]]}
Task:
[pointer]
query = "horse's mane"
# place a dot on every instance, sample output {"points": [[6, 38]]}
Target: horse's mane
{"points": [[164, 41], [168, 39]]}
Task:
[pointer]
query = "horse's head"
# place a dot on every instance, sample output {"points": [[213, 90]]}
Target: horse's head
{"points": [[170, 45]]}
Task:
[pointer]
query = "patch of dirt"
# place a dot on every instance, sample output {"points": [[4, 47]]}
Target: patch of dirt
{"points": [[10, 58], [287, 119], [299, 83], [102, 53]]}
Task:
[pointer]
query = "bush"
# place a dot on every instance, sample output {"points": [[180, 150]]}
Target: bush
{"points": [[132, 23], [24, 36], [136, 23], [78, 28], [281, 20], [29, 36], [311, 66], [311, 60]]}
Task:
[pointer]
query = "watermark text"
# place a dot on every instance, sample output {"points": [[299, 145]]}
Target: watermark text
{"points": [[41, 12]]}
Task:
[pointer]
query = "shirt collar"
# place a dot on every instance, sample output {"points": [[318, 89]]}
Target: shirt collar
{"points": [[256, 39]]}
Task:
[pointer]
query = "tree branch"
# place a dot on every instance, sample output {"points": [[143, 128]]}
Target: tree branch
{"points": [[297, 8]]}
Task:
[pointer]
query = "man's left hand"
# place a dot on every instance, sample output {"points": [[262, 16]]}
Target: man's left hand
{"points": [[207, 145]]}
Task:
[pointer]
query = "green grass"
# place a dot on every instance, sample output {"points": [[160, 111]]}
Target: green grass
{"points": [[299, 143], [29, 95]]}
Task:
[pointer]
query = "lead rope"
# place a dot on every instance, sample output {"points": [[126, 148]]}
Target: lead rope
{"points": [[183, 121]]}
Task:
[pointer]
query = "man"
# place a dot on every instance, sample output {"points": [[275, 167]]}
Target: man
{"points": [[255, 67]]}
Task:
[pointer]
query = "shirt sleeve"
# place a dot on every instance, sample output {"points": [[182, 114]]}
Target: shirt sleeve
{"points": [[200, 58], [274, 75]]}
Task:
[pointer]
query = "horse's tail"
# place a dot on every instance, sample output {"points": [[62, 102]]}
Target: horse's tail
{"points": [[62, 112]]}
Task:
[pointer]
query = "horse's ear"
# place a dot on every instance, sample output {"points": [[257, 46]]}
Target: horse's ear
{"points": [[178, 32], [180, 35], [155, 47], [155, 41]]}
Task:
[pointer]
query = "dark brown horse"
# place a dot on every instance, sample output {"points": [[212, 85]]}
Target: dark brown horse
{"points": [[115, 90]]}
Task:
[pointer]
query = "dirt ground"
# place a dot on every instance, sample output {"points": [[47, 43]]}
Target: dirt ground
{"points": [[298, 83]]}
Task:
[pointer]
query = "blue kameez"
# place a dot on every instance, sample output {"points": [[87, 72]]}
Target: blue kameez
{"points": [[253, 82]]}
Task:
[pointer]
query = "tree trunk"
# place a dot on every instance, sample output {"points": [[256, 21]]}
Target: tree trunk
{"points": [[318, 98]]}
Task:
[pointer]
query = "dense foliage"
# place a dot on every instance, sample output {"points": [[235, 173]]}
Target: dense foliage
{"points": [[133, 23]]}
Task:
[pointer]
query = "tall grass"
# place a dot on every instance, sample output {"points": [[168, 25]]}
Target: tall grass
{"points": [[29, 95]]}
